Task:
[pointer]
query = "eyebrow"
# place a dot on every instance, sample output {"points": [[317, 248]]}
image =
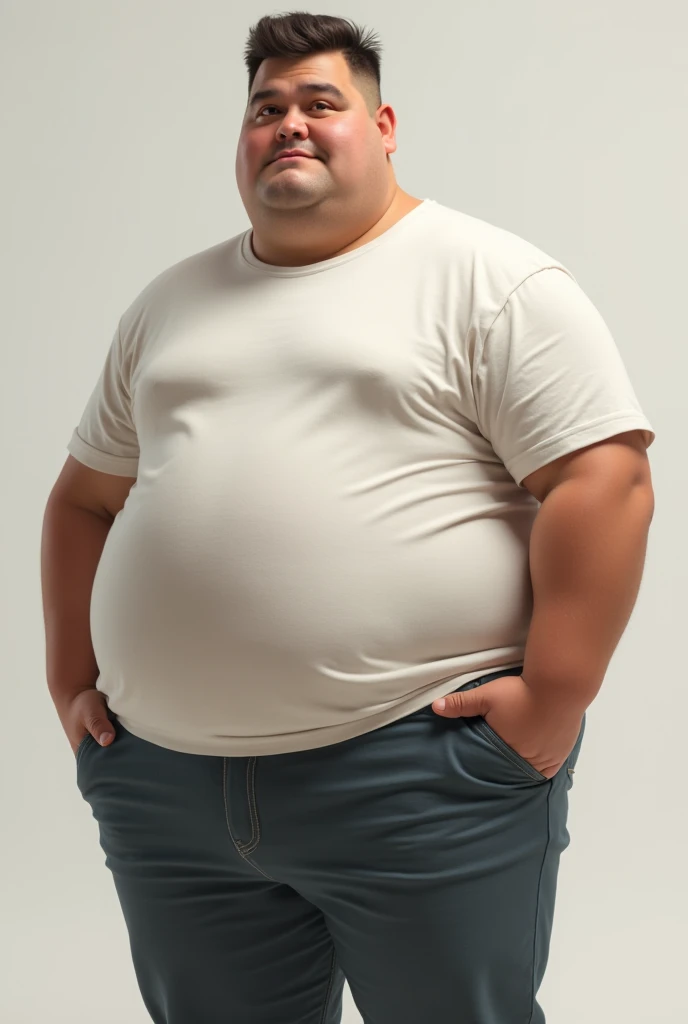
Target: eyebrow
{"points": [[309, 87]]}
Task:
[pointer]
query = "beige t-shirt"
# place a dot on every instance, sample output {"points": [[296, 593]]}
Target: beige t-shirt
{"points": [[327, 529]]}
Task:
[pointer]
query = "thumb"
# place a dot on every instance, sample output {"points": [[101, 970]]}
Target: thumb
{"points": [[464, 703], [101, 729]]}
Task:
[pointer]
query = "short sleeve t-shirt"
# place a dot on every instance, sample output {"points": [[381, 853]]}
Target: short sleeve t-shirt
{"points": [[328, 527]]}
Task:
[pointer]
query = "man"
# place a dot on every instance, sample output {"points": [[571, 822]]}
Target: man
{"points": [[370, 457]]}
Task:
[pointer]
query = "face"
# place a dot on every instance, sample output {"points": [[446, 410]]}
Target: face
{"points": [[348, 148]]}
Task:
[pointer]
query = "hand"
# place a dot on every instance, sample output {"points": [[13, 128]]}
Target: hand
{"points": [[542, 727], [86, 712]]}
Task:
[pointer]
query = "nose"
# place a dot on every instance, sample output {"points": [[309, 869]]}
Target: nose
{"points": [[293, 125]]}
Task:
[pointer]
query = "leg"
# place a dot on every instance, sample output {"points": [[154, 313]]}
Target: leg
{"points": [[433, 854], [213, 939]]}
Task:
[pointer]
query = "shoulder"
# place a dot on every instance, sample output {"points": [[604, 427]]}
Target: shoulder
{"points": [[178, 285], [489, 260]]}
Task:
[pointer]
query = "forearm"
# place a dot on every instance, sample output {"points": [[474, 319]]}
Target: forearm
{"points": [[71, 545], [587, 553]]}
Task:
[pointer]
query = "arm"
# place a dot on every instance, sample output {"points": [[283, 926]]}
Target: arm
{"points": [[79, 513], [587, 552]]}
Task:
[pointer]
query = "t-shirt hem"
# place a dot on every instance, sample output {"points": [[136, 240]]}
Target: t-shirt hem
{"points": [[249, 746], [564, 444], [105, 462]]}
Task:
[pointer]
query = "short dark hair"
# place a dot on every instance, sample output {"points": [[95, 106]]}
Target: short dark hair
{"points": [[299, 33]]}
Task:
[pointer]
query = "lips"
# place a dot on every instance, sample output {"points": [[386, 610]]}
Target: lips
{"points": [[287, 156]]}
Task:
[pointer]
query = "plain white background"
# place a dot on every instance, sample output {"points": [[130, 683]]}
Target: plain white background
{"points": [[564, 123]]}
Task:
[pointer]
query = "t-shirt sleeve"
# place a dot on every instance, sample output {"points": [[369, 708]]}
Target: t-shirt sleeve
{"points": [[549, 379], [105, 438]]}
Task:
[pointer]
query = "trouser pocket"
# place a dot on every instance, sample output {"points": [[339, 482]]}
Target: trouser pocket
{"points": [[505, 751], [480, 729], [88, 738], [88, 741]]}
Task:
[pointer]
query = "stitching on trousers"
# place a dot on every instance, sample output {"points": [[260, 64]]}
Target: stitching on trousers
{"points": [[251, 843], [259, 868], [224, 794], [537, 901], [506, 753], [243, 848], [328, 993], [250, 846]]}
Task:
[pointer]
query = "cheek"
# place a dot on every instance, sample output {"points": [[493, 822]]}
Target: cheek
{"points": [[252, 153], [342, 134], [345, 145]]}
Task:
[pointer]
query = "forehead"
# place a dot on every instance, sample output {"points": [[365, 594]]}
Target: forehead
{"points": [[288, 74]]}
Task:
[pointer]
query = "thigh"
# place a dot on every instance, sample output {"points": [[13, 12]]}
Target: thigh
{"points": [[212, 938], [433, 853]]}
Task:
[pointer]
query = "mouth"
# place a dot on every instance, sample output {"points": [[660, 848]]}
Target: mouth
{"points": [[293, 156]]}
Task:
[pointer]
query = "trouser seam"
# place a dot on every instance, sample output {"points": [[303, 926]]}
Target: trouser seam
{"points": [[537, 902], [243, 849], [330, 985], [252, 843]]}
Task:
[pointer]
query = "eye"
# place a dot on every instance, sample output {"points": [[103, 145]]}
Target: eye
{"points": [[270, 107]]}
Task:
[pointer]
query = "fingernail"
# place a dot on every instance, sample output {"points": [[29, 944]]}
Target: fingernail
{"points": [[440, 704], [104, 738]]}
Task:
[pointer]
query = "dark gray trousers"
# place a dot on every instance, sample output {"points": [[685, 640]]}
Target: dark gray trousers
{"points": [[418, 862]]}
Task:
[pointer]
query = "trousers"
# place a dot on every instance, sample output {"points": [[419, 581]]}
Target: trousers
{"points": [[418, 862]]}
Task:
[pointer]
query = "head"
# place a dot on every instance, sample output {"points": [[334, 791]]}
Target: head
{"points": [[342, 125]]}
